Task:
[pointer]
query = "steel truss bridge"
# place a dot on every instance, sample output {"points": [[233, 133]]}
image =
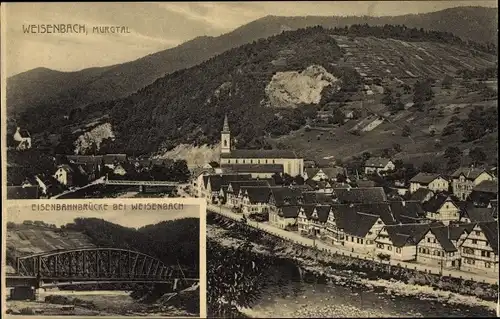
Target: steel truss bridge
{"points": [[140, 183], [95, 265]]}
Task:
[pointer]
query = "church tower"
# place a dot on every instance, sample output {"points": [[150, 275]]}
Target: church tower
{"points": [[225, 140]]}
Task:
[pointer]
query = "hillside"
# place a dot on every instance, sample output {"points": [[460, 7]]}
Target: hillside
{"points": [[160, 240], [41, 88]]}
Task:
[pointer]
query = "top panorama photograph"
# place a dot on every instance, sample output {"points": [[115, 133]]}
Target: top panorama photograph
{"points": [[321, 97]]}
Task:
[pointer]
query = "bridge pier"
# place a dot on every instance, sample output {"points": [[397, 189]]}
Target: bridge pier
{"points": [[141, 188]]}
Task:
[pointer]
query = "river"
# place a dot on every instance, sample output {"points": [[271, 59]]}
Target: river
{"points": [[349, 295], [330, 300]]}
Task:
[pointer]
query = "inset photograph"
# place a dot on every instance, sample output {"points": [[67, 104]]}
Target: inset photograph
{"points": [[103, 259]]}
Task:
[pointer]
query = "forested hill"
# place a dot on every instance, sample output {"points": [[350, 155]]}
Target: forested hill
{"points": [[169, 241], [188, 106], [42, 88]]}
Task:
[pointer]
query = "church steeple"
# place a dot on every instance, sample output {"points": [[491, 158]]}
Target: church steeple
{"points": [[225, 128], [225, 140]]}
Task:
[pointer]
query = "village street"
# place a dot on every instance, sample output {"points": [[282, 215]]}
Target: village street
{"points": [[295, 237]]}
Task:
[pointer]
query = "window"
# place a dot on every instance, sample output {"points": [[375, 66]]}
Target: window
{"points": [[485, 254], [398, 250], [266, 161], [389, 247], [477, 232], [361, 240], [474, 242], [469, 251], [434, 240], [274, 162], [243, 161], [379, 222], [487, 265], [229, 161], [236, 161], [428, 240]]}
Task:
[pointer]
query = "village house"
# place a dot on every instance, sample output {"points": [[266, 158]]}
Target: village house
{"points": [[284, 196], [422, 195], [233, 190], [23, 139], [255, 199], [197, 183], [305, 213], [439, 246], [464, 180], [473, 214], [64, 175], [399, 242], [442, 208], [119, 170], [212, 185], [315, 222], [378, 165], [479, 251], [111, 160], [483, 193], [319, 186], [284, 217], [315, 174], [292, 164], [352, 229], [433, 182], [359, 195]]}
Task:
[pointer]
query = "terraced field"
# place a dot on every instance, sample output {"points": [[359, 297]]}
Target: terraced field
{"points": [[407, 61], [26, 240]]}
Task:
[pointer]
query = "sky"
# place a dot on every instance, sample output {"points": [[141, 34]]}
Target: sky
{"points": [[20, 212], [158, 26]]}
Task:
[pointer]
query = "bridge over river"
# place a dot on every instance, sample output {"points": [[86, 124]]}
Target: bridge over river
{"points": [[94, 266]]}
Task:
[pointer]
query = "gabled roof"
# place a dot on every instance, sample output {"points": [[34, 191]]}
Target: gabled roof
{"points": [[322, 211], [490, 230], [270, 154], [420, 194], [360, 195], [436, 202], [487, 187], [311, 172], [66, 167], [317, 184], [236, 185], [217, 181], [477, 214], [316, 198], [332, 172], [19, 192], [469, 172], [289, 211], [407, 210], [257, 194], [253, 168], [286, 196], [378, 162], [365, 183], [424, 178], [443, 234], [406, 235], [355, 224]]}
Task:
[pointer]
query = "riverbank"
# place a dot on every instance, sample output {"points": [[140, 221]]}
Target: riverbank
{"points": [[344, 270], [107, 303]]}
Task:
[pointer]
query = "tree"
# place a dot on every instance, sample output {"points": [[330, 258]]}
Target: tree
{"points": [[452, 152], [180, 171], [396, 147], [447, 82], [214, 164], [429, 167], [341, 178], [278, 180], [477, 155], [406, 131], [366, 156]]}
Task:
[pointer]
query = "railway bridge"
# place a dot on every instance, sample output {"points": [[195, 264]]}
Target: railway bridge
{"points": [[142, 184], [96, 265]]}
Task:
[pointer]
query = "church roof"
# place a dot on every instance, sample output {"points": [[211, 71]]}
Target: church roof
{"points": [[253, 168], [260, 154]]}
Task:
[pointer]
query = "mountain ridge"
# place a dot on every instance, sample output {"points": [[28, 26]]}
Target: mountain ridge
{"points": [[32, 89]]}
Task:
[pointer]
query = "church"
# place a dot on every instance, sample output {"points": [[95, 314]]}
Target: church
{"points": [[259, 163]]}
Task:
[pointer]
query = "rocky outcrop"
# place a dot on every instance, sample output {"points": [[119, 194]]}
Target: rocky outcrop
{"points": [[194, 155], [290, 89], [86, 142]]}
